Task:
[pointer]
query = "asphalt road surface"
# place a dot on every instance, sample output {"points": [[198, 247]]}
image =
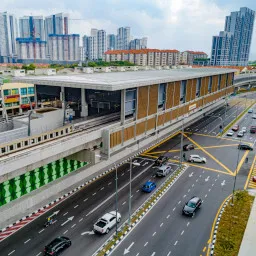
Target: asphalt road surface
{"points": [[78, 213]]}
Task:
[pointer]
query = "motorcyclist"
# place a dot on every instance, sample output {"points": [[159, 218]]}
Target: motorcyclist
{"points": [[49, 219]]}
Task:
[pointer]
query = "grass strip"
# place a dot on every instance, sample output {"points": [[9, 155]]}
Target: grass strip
{"points": [[235, 120], [232, 225], [137, 215]]}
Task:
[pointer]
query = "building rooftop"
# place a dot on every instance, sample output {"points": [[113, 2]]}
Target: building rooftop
{"points": [[114, 81]]}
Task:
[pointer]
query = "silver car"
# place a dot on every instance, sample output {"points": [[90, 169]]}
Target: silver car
{"points": [[163, 171]]}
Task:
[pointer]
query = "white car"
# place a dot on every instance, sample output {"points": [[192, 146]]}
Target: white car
{"points": [[163, 170], [197, 159], [106, 222], [244, 129], [230, 133], [240, 134], [254, 116]]}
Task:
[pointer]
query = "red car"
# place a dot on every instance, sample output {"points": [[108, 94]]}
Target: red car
{"points": [[235, 128], [253, 129], [254, 178]]}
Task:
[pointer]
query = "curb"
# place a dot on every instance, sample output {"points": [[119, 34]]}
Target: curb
{"points": [[59, 199], [217, 226], [140, 217]]}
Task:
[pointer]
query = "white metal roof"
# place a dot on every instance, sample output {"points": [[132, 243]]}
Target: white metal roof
{"points": [[113, 81]]}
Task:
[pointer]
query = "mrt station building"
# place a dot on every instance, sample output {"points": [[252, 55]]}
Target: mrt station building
{"points": [[147, 101]]}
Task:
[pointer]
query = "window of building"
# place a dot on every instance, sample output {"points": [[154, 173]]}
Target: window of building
{"points": [[7, 105], [30, 90], [130, 101], [23, 91], [161, 95], [15, 104], [219, 82], [7, 92], [24, 100], [210, 85], [183, 91], [198, 87], [15, 91]]}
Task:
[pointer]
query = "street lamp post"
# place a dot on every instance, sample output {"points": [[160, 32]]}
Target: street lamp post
{"points": [[181, 141]]}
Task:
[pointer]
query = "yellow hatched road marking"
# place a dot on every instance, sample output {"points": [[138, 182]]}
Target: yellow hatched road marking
{"points": [[204, 249], [211, 156], [252, 170], [251, 185]]}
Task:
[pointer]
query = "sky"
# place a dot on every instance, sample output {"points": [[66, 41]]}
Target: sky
{"points": [[168, 24]]}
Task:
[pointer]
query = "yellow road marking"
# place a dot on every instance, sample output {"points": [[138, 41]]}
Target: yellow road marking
{"points": [[148, 155], [211, 136], [211, 156], [250, 173], [214, 222], [160, 143], [251, 185], [203, 167], [241, 161], [204, 249]]}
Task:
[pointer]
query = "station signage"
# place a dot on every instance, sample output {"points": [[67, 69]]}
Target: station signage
{"points": [[12, 98], [191, 107]]}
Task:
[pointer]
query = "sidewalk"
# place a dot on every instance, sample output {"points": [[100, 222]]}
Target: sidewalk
{"points": [[249, 240]]}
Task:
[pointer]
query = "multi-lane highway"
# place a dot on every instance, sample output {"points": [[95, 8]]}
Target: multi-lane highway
{"points": [[164, 231]]}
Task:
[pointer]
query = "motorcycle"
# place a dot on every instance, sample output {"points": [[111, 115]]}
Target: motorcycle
{"points": [[48, 223]]}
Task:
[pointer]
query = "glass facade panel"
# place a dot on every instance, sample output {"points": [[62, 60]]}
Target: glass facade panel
{"points": [[210, 85], [15, 91], [23, 91], [30, 90], [161, 95], [183, 91], [198, 87], [130, 101], [219, 82], [7, 92]]}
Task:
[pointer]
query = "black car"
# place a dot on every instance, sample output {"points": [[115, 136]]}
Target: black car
{"points": [[161, 160], [192, 206], [245, 147], [253, 129], [188, 147], [57, 245]]}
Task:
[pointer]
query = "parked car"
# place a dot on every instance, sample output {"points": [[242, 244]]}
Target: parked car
{"points": [[240, 134], [163, 170], [149, 186], [161, 160], [197, 159], [253, 129], [57, 245], [244, 129], [250, 111], [230, 133], [106, 222], [188, 147], [192, 206], [235, 128], [245, 147], [254, 116]]}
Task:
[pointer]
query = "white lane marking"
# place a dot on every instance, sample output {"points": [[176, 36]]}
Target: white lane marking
{"points": [[38, 253], [122, 174], [109, 183], [179, 202], [193, 185], [212, 184], [175, 242], [153, 254], [137, 190], [182, 232], [202, 201], [205, 195], [94, 193], [169, 253], [27, 241], [138, 254], [65, 214], [184, 196], [173, 209], [73, 226], [85, 199], [76, 206], [11, 252], [145, 244], [203, 171], [65, 232], [188, 224], [161, 224], [54, 221], [102, 188], [131, 196], [154, 234], [41, 231], [215, 180], [197, 180], [124, 203], [200, 176], [168, 216], [81, 219], [209, 189], [188, 190]]}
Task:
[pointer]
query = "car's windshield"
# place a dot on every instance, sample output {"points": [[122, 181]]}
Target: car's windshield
{"points": [[191, 204], [101, 223]]}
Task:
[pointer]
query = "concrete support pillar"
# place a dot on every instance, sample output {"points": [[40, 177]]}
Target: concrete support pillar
{"points": [[62, 96], [35, 97], [123, 106], [84, 105]]}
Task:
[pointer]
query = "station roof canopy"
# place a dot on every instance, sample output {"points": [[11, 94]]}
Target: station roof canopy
{"points": [[113, 81]]}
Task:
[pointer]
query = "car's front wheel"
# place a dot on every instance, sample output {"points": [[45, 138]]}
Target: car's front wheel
{"points": [[118, 220], [192, 161], [107, 231]]}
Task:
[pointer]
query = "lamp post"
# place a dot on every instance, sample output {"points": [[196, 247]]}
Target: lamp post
{"points": [[181, 141]]}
